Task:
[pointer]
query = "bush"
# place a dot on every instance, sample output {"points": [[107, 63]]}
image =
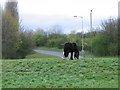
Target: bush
{"points": [[105, 43], [112, 48], [99, 45], [56, 40], [40, 40], [25, 45]]}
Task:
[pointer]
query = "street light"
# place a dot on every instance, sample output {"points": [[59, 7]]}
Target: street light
{"points": [[82, 34]]}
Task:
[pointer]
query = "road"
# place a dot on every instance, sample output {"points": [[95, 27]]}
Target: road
{"points": [[58, 54]]}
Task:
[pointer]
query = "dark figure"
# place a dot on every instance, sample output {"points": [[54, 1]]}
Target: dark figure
{"points": [[71, 48]]}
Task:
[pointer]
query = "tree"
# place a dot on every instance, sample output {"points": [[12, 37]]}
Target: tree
{"points": [[0, 32], [118, 25], [56, 40], [11, 7], [106, 42], [72, 37], [41, 31], [56, 29], [100, 45], [40, 39], [10, 34], [10, 27], [110, 30], [25, 44]]}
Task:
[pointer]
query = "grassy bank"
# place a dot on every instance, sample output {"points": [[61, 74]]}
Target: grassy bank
{"points": [[51, 72]]}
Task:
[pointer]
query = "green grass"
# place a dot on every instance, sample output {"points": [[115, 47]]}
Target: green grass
{"points": [[59, 73], [50, 49], [37, 55]]}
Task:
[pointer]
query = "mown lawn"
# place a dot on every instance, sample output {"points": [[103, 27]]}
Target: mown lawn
{"points": [[58, 73]]}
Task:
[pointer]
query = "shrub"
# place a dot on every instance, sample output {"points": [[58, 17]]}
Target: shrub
{"points": [[25, 45], [99, 45], [112, 48]]}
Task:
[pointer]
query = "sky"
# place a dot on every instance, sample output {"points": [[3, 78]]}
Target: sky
{"points": [[45, 14]]}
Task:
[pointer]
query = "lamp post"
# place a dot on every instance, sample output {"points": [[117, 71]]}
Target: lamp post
{"points": [[82, 35], [91, 30]]}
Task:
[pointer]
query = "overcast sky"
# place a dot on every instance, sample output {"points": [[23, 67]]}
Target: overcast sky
{"points": [[46, 13]]}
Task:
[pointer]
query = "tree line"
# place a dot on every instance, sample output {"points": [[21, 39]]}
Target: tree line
{"points": [[18, 42]]}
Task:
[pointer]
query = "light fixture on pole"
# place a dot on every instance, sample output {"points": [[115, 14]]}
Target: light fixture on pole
{"points": [[82, 35]]}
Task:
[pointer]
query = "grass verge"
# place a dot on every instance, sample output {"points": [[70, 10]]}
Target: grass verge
{"points": [[40, 55], [50, 49]]}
